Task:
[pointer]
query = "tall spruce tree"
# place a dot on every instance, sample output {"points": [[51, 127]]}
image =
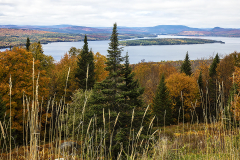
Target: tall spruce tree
{"points": [[131, 90], [162, 104], [213, 67], [199, 110], [28, 44], [200, 81], [132, 93], [110, 92], [118, 93], [186, 66], [85, 71], [212, 86]]}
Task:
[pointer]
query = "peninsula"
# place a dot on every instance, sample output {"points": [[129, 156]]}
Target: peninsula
{"points": [[167, 41]]}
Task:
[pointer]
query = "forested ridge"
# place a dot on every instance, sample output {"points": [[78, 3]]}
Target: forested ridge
{"points": [[167, 41], [128, 110], [17, 37]]}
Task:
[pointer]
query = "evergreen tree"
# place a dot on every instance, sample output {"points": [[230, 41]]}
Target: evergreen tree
{"points": [[162, 104], [213, 67], [212, 86], [132, 93], [233, 92], [186, 66], [118, 93], [108, 92], [200, 81], [27, 44], [228, 110], [85, 67], [199, 110], [131, 90]]}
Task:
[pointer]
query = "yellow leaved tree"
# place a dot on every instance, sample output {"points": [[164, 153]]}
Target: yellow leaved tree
{"points": [[100, 72], [184, 92]]}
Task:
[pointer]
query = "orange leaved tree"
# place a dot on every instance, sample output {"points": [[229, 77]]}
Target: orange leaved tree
{"points": [[18, 64], [63, 78], [148, 74]]}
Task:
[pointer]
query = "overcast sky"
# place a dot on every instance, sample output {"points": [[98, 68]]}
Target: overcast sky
{"points": [[130, 13]]}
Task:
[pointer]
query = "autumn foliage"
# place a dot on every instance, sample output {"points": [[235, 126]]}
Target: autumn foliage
{"points": [[57, 79], [100, 72], [184, 89], [63, 75], [234, 98], [63, 81], [17, 64], [149, 74]]}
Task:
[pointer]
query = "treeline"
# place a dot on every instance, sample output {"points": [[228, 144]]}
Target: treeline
{"points": [[17, 37], [167, 41], [210, 82], [111, 92]]}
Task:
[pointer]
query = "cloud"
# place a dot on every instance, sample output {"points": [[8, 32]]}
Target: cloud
{"points": [[194, 13]]}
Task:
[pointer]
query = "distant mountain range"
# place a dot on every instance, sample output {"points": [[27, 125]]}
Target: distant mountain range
{"points": [[160, 29], [15, 35], [217, 31], [103, 33]]}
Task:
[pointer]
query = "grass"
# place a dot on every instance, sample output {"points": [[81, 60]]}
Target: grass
{"points": [[192, 140]]}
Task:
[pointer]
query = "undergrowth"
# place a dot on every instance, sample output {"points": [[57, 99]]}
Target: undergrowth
{"points": [[219, 139]]}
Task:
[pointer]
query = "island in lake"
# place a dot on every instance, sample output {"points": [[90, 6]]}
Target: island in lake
{"points": [[167, 41]]}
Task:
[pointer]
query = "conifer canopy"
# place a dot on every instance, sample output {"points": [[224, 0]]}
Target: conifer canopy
{"points": [[162, 105], [85, 70], [186, 66]]}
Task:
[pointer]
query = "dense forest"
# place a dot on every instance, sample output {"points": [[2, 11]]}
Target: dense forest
{"points": [[110, 109], [167, 41], [17, 37]]}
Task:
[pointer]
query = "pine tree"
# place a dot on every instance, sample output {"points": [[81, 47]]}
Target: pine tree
{"points": [[118, 93], [212, 86], [27, 44], [109, 90], [213, 67], [85, 67], [162, 105], [186, 66], [132, 93]]}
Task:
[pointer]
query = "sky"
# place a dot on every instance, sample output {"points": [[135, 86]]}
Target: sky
{"points": [[129, 13]]}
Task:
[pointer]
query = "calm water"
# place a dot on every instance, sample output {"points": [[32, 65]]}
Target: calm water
{"points": [[153, 53]]}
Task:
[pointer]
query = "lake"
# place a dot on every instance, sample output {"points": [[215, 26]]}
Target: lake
{"points": [[154, 53]]}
